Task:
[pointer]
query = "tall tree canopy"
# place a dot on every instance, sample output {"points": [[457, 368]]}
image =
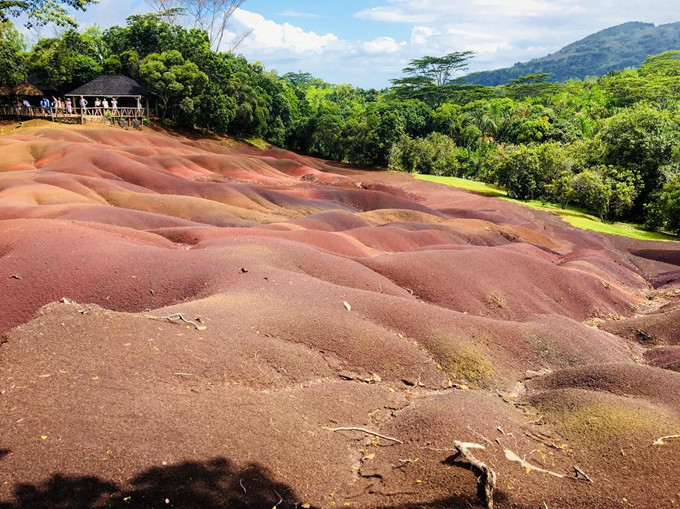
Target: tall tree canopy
{"points": [[12, 68], [438, 71], [42, 12]]}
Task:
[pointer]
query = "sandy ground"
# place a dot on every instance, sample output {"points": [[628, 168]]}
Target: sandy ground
{"points": [[303, 297]]}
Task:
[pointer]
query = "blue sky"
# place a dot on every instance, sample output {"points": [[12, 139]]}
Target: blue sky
{"points": [[366, 43]]}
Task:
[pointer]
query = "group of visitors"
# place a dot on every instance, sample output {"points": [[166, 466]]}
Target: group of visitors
{"points": [[22, 104], [102, 104], [56, 106]]}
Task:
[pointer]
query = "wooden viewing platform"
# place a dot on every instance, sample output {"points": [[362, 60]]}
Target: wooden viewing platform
{"points": [[79, 115]]}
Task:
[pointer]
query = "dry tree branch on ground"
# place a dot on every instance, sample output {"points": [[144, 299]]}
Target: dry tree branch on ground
{"points": [[486, 483], [528, 466], [364, 430], [175, 317], [662, 440]]}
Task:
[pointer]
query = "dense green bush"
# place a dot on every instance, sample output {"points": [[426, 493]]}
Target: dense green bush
{"points": [[432, 155], [664, 209]]}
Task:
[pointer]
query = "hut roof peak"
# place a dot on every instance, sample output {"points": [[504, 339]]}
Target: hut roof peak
{"points": [[110, 85]]}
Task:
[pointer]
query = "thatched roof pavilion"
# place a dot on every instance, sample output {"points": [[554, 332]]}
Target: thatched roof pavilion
{"points": [[110, 86], [5, 90], [26, 89]]}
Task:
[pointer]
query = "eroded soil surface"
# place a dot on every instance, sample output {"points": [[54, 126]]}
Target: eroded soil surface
{"points": [[316, 297]]}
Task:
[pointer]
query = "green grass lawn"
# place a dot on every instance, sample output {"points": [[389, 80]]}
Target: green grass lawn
{"points": [[574, 216], [256, 142]]}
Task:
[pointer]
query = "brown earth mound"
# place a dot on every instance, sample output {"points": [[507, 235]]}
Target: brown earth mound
{"points": [[660, 328], [664, 357], [197, 323]]}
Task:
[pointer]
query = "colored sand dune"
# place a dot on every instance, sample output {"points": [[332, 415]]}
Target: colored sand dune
{"points": [[189, 323]]}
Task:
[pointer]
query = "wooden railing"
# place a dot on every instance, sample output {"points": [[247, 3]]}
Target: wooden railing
{"points": [[114, 112], [24, 111], [75, 113]]}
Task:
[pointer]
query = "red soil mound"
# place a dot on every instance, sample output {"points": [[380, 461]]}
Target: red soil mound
{"points": [[312, 296], [664, 357], [656, 385], [660, 328], [474, 281]]}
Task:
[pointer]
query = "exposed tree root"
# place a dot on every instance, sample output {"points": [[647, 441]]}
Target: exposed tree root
{"points": [[364, 430], [486, 483], [177, 317]]}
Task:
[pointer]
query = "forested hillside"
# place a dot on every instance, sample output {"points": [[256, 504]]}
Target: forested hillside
{"points": [[611, 145], [612, 49]]}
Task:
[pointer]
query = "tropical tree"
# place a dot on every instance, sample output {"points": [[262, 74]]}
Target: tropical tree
{"points": [[670, 203], [434, 70], [591, 191], [640, 139], [530, 86], [42, 12], [12, 62], [69, 61], [526, 172], [176, 82]]}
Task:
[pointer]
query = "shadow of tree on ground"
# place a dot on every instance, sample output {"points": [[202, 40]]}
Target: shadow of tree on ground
{"points": [[211, 484]]}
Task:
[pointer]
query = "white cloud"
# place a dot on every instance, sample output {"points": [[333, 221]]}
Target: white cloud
{"points": [[421, 34], [382, 45], [268, 36]]}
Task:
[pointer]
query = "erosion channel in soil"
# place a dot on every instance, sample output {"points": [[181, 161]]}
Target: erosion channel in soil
{"points": [[196, 323]]}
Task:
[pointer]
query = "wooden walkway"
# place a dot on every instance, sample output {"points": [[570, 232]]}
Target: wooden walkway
{"points": [[77, 115]]}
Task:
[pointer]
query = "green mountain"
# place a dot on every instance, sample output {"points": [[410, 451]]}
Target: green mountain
{"points": [[612, 49]]}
